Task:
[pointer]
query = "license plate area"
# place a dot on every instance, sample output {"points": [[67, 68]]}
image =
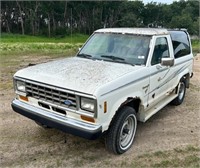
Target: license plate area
{"points": [[55, 109]]}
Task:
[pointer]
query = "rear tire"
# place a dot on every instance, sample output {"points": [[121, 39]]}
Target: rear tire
{"points": [[121, 133], [181, 93]]}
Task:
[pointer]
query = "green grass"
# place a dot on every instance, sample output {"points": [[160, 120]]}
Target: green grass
{"points": [[189, 161], [15, 38], [179, 157], [40, 48], [16, 44]]}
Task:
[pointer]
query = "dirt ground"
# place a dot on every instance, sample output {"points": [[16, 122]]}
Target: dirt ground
{"points": [[25, 144]]}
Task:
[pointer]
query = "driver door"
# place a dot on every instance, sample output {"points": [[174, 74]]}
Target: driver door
{"points": [[159, 79]]}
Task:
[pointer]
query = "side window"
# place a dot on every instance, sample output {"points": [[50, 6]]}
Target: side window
{"points": [[161, 50], [180, 43]]}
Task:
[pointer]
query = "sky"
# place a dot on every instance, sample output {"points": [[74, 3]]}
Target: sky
{"points": [[159, 1]]}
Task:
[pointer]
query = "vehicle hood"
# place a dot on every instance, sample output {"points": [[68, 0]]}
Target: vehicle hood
{"points": [[76, 74]]}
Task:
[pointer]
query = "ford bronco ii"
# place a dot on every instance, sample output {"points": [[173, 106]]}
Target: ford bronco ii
{"points": [[119, 76]]}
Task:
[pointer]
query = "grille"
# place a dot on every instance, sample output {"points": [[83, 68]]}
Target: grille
{"points": [[50, 95]]}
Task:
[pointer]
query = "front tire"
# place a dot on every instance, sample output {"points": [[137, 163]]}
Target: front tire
{"points": [[181, 93], [122, 131]]}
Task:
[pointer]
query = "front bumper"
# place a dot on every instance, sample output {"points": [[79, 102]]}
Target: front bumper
{"points": [[75, 127]]}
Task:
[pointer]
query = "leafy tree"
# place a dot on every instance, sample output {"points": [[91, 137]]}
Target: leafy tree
{"points": [[183, 21], [60, 18]]}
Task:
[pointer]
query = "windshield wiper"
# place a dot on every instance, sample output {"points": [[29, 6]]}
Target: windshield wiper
{"points": [[117, 59], [83, 55], [113, 57]]}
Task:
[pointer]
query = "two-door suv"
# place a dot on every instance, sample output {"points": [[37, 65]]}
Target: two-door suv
{"points": [[119, 76]]}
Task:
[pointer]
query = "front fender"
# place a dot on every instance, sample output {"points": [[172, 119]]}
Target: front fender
{"points": [[116, 104]]}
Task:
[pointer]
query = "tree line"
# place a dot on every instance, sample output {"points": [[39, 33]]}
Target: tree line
{"points": [[59, 18]]}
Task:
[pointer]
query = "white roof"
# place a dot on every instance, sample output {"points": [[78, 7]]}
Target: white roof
{"points": [[137, 31]]}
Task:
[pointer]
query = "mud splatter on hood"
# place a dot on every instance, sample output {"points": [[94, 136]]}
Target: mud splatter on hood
{"points": [[77, 74]]}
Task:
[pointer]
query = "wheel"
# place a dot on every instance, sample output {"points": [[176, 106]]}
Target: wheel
{"points": [[42, 125], [121, 133], [181, 93]]}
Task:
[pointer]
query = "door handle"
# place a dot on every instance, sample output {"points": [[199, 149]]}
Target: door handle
{"points": [[146, 88]]}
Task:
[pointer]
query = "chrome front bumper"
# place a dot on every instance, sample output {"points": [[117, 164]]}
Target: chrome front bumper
{"points": [[62, 123]]}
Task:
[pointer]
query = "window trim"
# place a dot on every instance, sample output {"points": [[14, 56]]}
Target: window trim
{"points": [[155, 47]]}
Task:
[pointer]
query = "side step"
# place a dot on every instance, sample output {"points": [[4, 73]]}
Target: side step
{"points": [[157, 107]]}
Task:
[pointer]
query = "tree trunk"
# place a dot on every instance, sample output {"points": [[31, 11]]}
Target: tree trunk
{"points": [[7, 26], [49, 26], [31, 17], [33, 27], [65, 14], [54, 23], [36, 24], [20, 13], [93, 19]]}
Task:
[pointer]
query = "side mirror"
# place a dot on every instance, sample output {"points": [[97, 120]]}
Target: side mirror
{"points": [[167, 61]]}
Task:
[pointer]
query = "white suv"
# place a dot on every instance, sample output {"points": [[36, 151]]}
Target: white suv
{"points": [[119, 76]]}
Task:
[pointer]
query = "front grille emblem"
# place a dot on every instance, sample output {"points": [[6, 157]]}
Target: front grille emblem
{"points": [[67, 102]]}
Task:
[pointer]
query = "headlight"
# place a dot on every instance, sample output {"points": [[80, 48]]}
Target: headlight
{"points": [[87, 104], [20, 86]]}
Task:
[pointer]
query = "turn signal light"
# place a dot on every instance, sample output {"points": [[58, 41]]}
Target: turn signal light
{"points": [[105, 107], [23, 98], [90, 119]]}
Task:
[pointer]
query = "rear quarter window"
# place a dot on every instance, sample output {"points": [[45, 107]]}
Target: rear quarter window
{"points": [[181, 44]]}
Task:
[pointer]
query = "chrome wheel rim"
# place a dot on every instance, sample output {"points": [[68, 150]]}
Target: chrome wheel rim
{"points": [[127, 132]]}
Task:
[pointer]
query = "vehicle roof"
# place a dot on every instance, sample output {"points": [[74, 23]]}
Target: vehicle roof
{"points": [[136, 31]]}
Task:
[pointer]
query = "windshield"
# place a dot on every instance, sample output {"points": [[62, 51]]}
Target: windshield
{"points": [[124, 48]]}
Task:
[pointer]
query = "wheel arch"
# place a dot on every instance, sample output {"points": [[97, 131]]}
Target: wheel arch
{"points": [[186, 78], [133, 102], [184, 75]]}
